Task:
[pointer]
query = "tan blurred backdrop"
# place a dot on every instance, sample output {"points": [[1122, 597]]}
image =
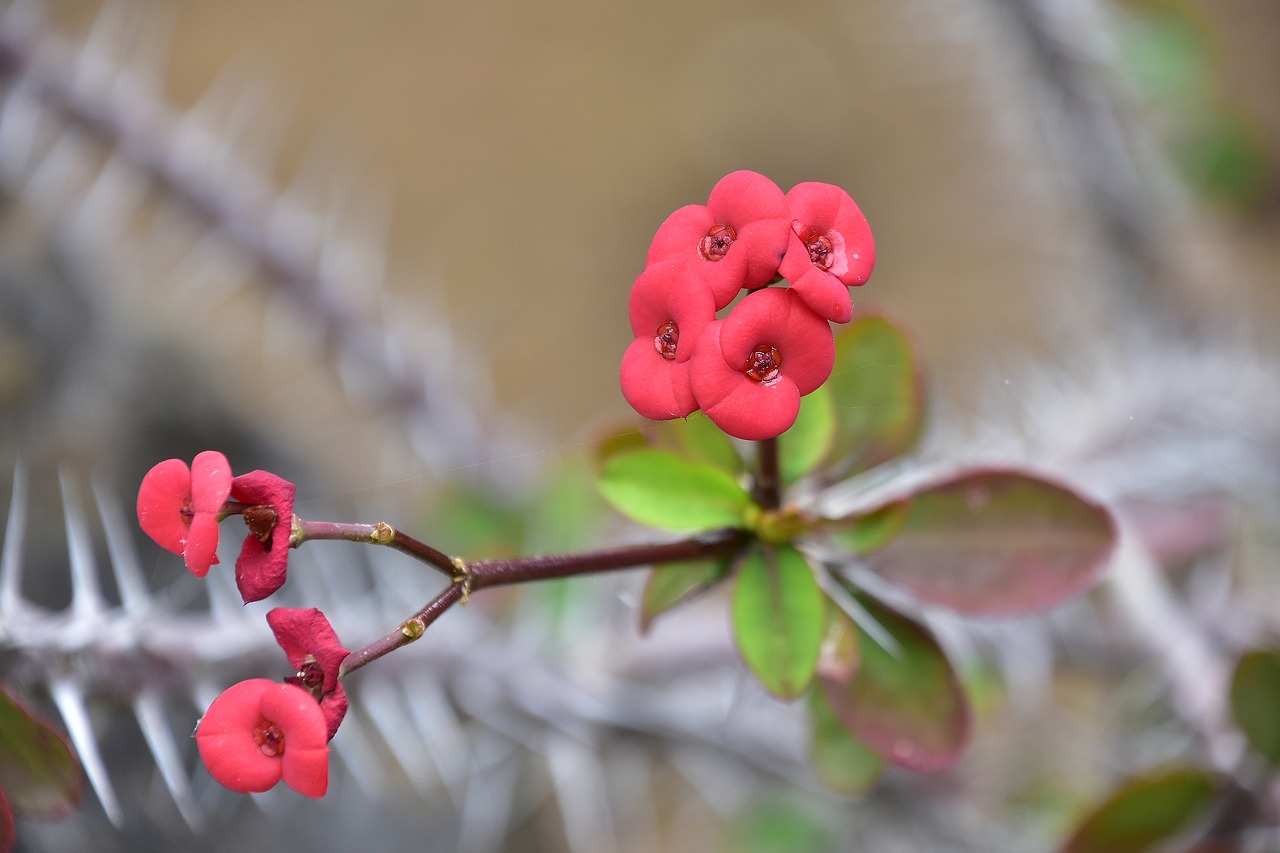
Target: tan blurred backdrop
{"points": [[530, 150]]}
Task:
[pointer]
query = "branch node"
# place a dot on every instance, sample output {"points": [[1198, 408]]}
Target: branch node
{"points": [[462, 575], [382, 534], [413, 628]]}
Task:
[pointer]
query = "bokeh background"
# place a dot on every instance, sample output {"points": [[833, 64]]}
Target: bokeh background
{"points": [[1043, 179]]}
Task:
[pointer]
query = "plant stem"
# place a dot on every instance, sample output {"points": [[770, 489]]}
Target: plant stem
{"points": [[767, 490], [486, 573], [376, 534]]}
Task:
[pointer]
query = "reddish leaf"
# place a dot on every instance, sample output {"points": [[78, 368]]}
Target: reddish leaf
{"points": [[842, 763], [904, 702], [1146, 812], [992, 542], [38, 771], [8, 832]]}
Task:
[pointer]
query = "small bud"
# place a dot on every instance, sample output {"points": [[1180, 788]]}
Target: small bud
{"points": [[413, 629], [382, 534]]}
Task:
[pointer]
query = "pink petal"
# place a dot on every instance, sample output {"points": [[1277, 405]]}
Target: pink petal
{"points": [[226, 742], [672, 291], [824, 294], [165, 489], [261, 571], [740, 406], [656, 388], [210, 481], [202, 545], [859, 249], [757, 210], [816, 204], [679, 238], [306, 633], [306, 756], [778, 317]]}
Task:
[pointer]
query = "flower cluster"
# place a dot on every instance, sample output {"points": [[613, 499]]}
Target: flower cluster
{"points": [[260, 732], [748, 370], [180, 508]]}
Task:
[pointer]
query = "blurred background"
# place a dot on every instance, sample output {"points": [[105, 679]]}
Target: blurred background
{"points": [[385, 249]]}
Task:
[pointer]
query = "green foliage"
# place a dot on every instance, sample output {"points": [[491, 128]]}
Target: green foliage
{"points": [[841, 762], [905, 702], [778, 619], [698, 438], [778, 826], [1255, 701], [676, 583], [877, 392], [39, 773], [1146, 812], [988, 542], [661, 489], [806, 443]]}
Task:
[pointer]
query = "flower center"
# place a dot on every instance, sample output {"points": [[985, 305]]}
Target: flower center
{"points": [[666, 339], [764, 364], [311, 675], [261, 520], [820, 249], [716, 244], [187, 511], [269, 738]]}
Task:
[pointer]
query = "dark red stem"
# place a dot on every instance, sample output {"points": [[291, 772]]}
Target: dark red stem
{"points": [[486, 573]]}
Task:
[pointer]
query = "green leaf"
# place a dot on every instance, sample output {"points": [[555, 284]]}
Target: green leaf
{"points": [[842, 763], [1146, 812], [38, 771], [676, 583], [871, 531], [1255, 701], [904, 703], [614, 441], [878, 393], [993, 542], [698, 438], [777, 619], [660, 489], [806, 443]]}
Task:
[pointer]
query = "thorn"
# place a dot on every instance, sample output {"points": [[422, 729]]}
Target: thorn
{"points": [[134, 594], [149, 710], [71, 706], [11, 555], [86, 593]]}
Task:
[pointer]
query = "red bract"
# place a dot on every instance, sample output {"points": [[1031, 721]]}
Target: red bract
{"points": [[736, 240], [750, 370], [830, 249], [179, 507], [670, 305], [313, 650], [258, 732], [264, 559]]}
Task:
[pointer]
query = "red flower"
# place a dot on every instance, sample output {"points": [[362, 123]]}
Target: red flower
{"points": [[670, 305], [313, 650], [735, 241], [830, 249], [179, 507], [258, 732], [750, 369], [264, 559]]}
